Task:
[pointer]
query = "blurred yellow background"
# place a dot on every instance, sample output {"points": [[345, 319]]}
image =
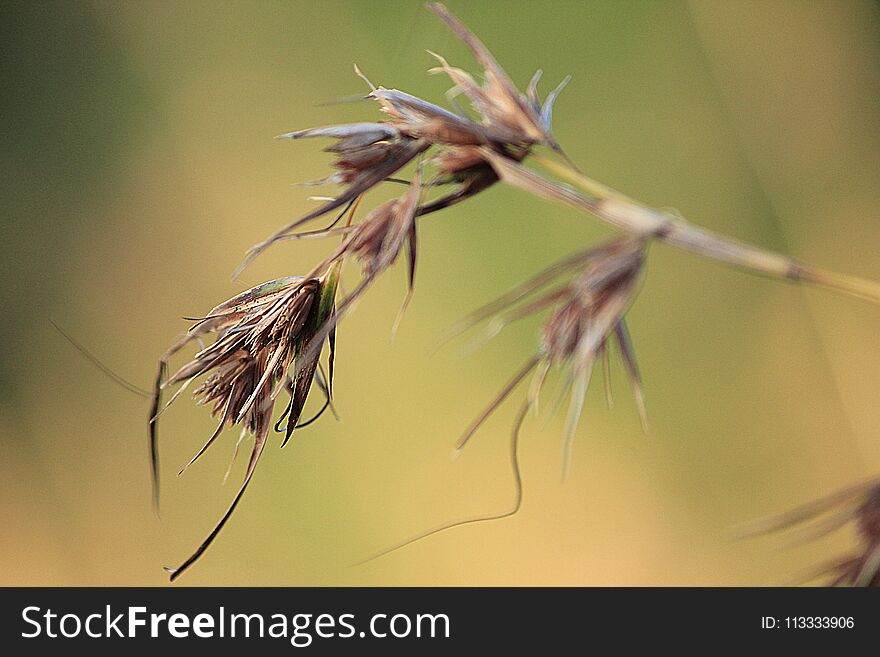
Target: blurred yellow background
{"points": [[138, 165]]}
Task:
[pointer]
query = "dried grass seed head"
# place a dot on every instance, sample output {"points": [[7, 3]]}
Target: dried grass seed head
{"points": [[520, 117], [857, 507], [587, 295], [594, 302], [360, 148], [380, 236], [369, 153], [258, 352], [868, 515]]}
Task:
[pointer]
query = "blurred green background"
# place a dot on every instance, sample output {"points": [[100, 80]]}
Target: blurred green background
{"points": [[138, 165]]}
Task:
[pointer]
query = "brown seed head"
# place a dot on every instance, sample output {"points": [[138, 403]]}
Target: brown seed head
{"points": [[594, 302], [857, 507], [258, 333], [868, 516], [380, 236], [587, 311], [258, 352], [515, 117]]}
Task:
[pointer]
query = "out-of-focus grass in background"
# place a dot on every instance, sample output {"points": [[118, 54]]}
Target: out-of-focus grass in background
{"points": [[138, 164]]}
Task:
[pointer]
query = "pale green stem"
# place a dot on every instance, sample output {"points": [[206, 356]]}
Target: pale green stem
{"points": [[630, 216]]}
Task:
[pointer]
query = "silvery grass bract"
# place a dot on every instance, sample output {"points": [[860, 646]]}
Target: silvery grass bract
{"points": [[271, 340], [857, 507], [258, 353]]}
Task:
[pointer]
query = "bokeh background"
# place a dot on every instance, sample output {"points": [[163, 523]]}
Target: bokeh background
{"points": [[138, 165]]}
